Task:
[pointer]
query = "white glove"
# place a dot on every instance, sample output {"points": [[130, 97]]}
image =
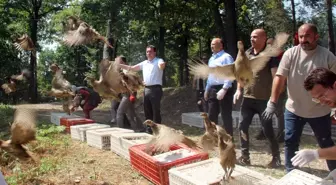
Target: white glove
{"points": [[331, 176], [303, 157], [82, 102], [221, 93], [236, 96]]}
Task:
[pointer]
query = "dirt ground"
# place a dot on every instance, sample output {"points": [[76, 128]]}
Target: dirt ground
{"points": [[94, 166]]}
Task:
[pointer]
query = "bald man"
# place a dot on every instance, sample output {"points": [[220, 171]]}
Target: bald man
{"points": [[296, 63], [218, 92], [255, 100]]}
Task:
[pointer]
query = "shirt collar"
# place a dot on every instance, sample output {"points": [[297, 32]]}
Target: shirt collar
{"points": [[218, 54], [150, 61]]}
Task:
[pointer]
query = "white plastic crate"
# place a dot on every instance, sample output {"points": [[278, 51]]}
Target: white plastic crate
{"points": [[210, 172], [121, 142], [83, 130], [173, 155], [74, 130], [194, 119], [333, 131], [101, 138], [55, 117], [298, 177]]}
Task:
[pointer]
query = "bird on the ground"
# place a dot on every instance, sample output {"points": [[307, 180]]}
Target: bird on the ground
{"points": [[209, 138], [23, 131], [243, 69], [84, 34], [164, 137], [227, 155]]}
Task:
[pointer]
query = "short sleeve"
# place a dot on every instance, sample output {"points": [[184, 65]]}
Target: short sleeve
{"points": [[140, 64], [274, 62], [284, 65], [331, 62]]}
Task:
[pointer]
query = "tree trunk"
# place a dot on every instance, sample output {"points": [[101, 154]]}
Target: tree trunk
{"points": [[107, 51], [184, 56], [218, 21], [231, 28], [294, 19], [33, 80], [331, 40], [162, 40]]}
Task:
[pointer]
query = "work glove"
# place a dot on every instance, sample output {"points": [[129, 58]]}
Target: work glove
{"points": [[221, 93], [236, 96], [331, 176], [303, 157], [269, 111]]}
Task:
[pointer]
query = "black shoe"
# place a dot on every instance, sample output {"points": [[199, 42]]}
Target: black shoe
{"points": [[260, 136], [275, 163], [244, 161]]}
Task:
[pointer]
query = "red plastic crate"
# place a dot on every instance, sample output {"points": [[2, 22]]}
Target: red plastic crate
{"points": [[157, 171], [67, 122]]}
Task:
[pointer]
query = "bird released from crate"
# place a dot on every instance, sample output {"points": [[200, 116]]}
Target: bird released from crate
{"points": [[23, 131], [72, 23], [164, 137], [243, 69], [60, 87], [10, 86], [25, 43], [131, 80], [109, 85], [84, 34], [227, 155]]}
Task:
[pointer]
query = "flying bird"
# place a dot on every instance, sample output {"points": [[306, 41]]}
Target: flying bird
{"points": [[72, 23], [10, 86], [24, 43], [23, 131], [84, 34], [243, 69], [61, 88], [164, 137], [131, 80]]}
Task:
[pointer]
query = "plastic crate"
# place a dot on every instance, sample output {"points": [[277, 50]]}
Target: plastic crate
{"points": [[194, 119], [298, 177], [156, 171], [55, 117], [82, 131], [101, 138], [67, 122], [210, 172], [120, 143], [74, 130]]}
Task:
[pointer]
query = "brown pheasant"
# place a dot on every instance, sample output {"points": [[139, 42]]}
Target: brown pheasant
{"points": [[165, 136], [131, 80], [61, 88], [209, 138], [243, 69], [25, 43], [23, 131], [227, 155], [84, 34], [11, 85], [72, 23]]}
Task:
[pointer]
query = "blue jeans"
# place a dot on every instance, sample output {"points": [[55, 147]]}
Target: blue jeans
{"points": [[294, 124]]}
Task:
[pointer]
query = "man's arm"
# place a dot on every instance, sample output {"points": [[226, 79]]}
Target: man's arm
{"points": [[327, 153], [130, 68], [277, 87], [273, 71]]}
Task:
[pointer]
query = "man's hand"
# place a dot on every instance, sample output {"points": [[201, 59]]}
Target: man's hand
{"points": [[206, 95], [269, 111], [236, 96], [303, 157], [221, 93], [161, 65], [331, 176]]}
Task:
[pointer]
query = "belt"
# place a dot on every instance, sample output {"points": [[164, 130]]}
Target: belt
{"points": [[217, 86], [152, 86]]}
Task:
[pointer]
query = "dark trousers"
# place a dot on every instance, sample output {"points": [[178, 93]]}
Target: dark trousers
{"points": [[249, 108], [223, 106], [293, 130], [126, 107], [87, 108], [280, 114], [152, 103], [201, 103]]}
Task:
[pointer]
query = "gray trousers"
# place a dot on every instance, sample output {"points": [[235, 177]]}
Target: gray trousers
{"points": [[127, 107], [152, 101]]}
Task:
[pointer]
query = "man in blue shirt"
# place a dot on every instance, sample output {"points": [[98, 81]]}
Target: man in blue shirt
{"points": [[218, 92]]}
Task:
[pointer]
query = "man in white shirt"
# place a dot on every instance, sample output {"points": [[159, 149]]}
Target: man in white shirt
{"points": [[152, 71]]}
